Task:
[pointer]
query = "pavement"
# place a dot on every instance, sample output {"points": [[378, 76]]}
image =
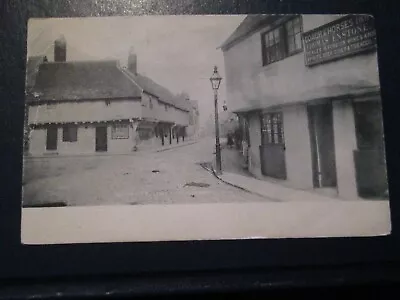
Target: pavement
{"points": [[271, 190], [236, 175]]}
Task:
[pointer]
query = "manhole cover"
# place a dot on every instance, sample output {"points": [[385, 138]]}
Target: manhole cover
{"points": [[197, 184]]}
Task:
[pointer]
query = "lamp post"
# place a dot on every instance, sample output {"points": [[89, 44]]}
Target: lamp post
{"points": [[215, 83]]}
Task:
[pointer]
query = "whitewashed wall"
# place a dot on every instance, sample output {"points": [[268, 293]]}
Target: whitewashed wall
{"points": [[84, 111], [250, 84]]}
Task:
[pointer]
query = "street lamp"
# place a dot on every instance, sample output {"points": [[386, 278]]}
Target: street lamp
{"points": [[215, 83]]}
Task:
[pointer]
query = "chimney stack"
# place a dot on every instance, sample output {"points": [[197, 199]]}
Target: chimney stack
{"points": [[132, 61], [60, 49]]}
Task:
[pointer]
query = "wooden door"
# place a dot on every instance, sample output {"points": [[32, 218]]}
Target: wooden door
{"points": [[52, 137], [101, 139], [272, 149], [369, 157]]}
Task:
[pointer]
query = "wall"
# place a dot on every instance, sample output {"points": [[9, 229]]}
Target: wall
{"points": [[85, 142], [345, 143], [37, 142], [255, 142], [117, 146], [85, 111], [158, 112], [154, 113], [298, 148], [251, 85]]}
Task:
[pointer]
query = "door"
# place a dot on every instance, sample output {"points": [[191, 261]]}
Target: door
{"points": [[272, 149], [52, 137], [322, 145], [369, 157], [101, 139]]}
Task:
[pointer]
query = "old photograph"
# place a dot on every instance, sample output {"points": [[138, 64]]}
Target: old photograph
{"points": [[149, 128]]}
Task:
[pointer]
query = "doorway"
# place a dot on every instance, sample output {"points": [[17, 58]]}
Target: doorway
{"points": [[272, 149], [101, 139], [369, 157], [52, 137], [322, 145]]}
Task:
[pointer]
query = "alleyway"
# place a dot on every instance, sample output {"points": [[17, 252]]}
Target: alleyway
{"points": [[168, 177]]}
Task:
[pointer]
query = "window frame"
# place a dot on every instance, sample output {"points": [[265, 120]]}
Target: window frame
{"points": [[114, 135], [70, 134], [272, 128], [281, 50]]}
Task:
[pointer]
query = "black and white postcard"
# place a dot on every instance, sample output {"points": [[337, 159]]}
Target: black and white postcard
{"points": [[203, 127]]}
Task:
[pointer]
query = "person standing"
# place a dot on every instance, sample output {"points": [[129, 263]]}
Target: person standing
{"points": [[135, 137]]}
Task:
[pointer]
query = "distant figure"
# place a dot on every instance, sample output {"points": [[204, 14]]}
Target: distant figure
{"points": [[238, 138], [136, 137], [230, 140]]}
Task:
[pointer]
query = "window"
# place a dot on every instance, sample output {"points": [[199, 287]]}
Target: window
{"points": [[150, 103], [166, 107], [70, 134], [283, 41], [120, 131], [294, 29], [272, 128]]}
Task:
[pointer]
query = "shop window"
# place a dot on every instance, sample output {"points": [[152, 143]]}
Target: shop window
{"points": [[120, 131], [70, 133], [282, 41], [272, 128]]}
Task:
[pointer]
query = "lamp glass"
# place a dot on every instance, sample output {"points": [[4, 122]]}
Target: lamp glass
{"points": [[215, 79]]}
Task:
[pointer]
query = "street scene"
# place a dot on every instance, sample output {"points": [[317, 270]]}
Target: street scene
{"points": [[153, 128], [178, 110]]}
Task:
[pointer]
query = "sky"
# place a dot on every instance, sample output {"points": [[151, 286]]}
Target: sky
{"points": [[178, 52]]}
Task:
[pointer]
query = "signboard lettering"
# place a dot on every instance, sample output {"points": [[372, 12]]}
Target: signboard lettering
{"points": [[346, 36]]}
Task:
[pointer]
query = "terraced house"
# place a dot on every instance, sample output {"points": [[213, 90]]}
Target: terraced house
{"points": [[80, 107], [306, 89]]}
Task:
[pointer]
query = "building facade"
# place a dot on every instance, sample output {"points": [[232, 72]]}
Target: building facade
{"points": [[97, 106], [306, 89]]}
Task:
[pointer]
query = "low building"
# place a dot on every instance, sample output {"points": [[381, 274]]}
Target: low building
{"points": [[306, 89], [97, 106]]}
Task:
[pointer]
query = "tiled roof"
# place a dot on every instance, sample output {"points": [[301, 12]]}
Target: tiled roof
{"points": [[157, 90], [250, 23], [32, 68], [83, 80]]}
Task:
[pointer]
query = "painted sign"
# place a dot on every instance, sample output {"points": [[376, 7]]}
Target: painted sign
{"points": [[346, 36]]}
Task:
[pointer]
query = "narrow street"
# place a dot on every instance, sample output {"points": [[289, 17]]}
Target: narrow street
{"points": [[169, 177]]}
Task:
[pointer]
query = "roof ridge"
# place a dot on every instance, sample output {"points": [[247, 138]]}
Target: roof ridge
{"points": [[127, 73]]}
